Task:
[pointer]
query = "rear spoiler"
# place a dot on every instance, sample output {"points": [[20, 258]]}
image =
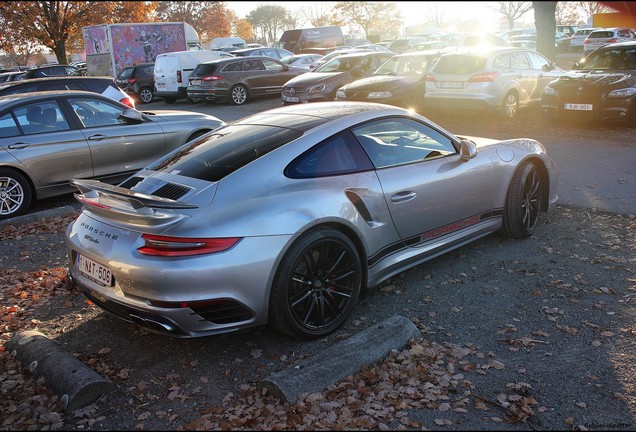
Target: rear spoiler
{"points": [[137, 200]]}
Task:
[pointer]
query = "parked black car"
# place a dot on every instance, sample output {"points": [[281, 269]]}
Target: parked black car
{"points": [[238, 79], [52, 70], [602, 86], [102, 85], [399, 81], [138, 81]]}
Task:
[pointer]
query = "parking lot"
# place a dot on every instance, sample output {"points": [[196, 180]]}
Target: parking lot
{"points": [[517, 335]]}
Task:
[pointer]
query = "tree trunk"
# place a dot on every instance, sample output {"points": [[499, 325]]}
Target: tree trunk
{"points": [[60, 53], [545, 23]]}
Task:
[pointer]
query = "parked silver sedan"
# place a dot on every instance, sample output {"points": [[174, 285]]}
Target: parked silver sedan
{"points": [[50, 137], [288, 215]]}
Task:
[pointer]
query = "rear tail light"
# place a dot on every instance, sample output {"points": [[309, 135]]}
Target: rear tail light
{"points": [[128, 101], [179, 76], [212, 78], [612, 40], [132, 80], [157, 245], [485, 77], [429, 78]]}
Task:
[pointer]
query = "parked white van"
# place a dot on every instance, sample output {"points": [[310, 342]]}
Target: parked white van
{"points": [[227, 42], [173, 69]]}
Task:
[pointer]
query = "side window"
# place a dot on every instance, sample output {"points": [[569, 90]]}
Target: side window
{"points": [[20, 89], [337, 155], [257, 53], [272, 65], [392, 142], [502, 62], [537, 60], [94, 113], [41, 117], [518, 60], [233, 67], [8, 127]]}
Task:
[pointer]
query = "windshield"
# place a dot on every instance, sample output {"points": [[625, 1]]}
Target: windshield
{"points": [[623, 58], [403, 66], [339, 64]]}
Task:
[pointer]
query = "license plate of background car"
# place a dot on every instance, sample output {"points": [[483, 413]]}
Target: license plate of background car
{"points": [[195, 82], [452, 84], [94, 270], [290, 99], [579, 107]]}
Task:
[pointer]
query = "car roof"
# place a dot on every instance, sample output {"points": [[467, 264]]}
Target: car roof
{"points": [[30, 81], [35, 96]]}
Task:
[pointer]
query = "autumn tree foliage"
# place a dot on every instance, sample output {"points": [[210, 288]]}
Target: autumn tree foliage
{"points": [[382, 16], [209, 18], [58, 24]]}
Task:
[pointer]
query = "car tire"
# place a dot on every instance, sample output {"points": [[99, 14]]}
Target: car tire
{"points": [[169, 100], [145, 95], [510, 106], [523, 202], [238, 94], [15, 193], [317, 284]]}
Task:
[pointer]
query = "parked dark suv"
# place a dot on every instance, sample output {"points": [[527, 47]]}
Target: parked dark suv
{"points": [[102, 85], [238, 79], [49, 71], [138, 81]]}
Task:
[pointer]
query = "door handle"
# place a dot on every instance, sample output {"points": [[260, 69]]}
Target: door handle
{"points": [[403, 196], [18, 145], [97, 137]]}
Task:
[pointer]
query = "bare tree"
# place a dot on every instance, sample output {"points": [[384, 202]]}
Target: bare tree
{"points": [[382, 15], [318, 14], [512, 10], [268, 20], [436, 13], [568, 13], [589, 8]]}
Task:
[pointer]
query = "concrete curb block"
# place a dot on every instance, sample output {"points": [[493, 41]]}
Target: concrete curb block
{"points": [[344, 358], [73, 382], [33, 217]]}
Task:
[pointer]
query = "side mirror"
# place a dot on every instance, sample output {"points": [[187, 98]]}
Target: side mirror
{"points": [[575, 65], [467, 149], [132, 116], [548, 67]]}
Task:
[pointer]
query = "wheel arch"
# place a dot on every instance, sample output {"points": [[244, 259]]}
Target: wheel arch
{"points": [[34, 191], [543, 171]]}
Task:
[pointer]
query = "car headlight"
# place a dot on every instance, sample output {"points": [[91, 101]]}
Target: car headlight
{"points": [[622, 93], [340, 94], [549, 91], [317, 88]]}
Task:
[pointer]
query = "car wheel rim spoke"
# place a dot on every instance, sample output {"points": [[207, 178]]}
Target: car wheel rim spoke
{"points": [[530, 201], [321, 285], [11, 195]]}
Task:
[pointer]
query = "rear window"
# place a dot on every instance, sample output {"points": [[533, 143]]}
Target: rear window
{"points": [[601, 34], [126, 73], [203, 70], [97, 85], [459, 64], [225, 151]]}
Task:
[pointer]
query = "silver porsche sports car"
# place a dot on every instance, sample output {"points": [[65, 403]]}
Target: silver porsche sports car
{"points": [[286, 216]]}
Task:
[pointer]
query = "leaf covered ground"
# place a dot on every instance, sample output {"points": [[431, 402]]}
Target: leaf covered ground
{"points": [[537, 334]]}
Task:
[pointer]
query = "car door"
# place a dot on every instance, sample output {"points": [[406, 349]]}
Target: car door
{"points": [[429, 190], [524, 75], [267, 76], [115, 145], [52, 153], [545, 72]]}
